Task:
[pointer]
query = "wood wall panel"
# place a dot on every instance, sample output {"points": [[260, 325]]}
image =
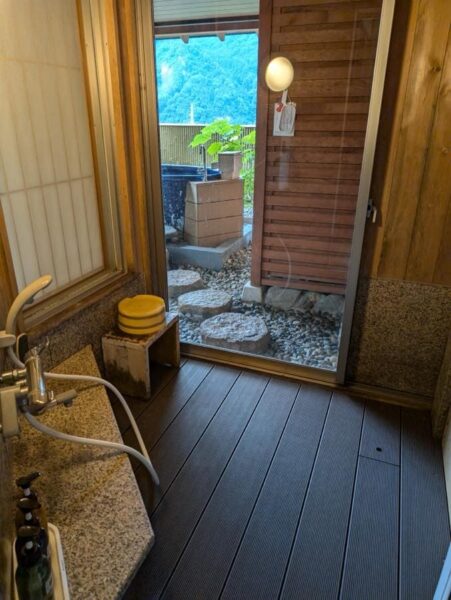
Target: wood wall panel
{"points": [[307, 185], [442, 271], [412, 176], [436, 186]]}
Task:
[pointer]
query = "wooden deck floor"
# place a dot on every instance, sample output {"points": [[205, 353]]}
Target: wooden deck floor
{"points": [[271, 489]]}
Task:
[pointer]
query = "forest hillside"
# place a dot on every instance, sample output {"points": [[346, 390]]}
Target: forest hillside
{"points": [[207, 79]]}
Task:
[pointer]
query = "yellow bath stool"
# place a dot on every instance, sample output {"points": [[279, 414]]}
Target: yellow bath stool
{"points": [[146, 334]]}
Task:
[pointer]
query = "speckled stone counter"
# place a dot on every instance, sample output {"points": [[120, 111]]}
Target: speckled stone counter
{"points": [[89, 493]]}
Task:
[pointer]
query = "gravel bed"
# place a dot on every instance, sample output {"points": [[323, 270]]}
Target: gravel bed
{"points": [[301, 338]]}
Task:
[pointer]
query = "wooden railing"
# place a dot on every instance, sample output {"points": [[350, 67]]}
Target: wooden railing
{"points": [[175, 140]]}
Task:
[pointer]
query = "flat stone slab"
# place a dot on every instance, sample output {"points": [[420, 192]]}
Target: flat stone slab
{"points": [[253, 293], [280, 297], [209, 258], [203, 304], [182, 281], [236, 331]]}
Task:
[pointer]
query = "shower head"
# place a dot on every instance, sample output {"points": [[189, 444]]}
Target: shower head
{"points": [[26, 295], [7, 339]]}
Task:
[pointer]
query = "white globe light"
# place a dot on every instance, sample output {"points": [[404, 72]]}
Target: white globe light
{"points": [[279, 74]]}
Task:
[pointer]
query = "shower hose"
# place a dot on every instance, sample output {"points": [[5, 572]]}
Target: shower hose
{"points": [[143, 458]]}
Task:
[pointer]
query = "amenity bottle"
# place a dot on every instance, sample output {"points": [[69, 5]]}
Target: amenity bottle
{"points": [[33, 574]]}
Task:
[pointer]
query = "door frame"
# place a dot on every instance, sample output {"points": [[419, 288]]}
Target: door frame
{"points": [[443, 589], [147, 74], [151, 143], [363, 197]]}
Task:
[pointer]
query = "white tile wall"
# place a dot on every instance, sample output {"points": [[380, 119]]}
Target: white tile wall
{"points": [[47, 188]]}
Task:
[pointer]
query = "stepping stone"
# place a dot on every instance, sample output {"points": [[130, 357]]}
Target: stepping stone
{"points": [[236, 332], [205, 303], [182, 281]]}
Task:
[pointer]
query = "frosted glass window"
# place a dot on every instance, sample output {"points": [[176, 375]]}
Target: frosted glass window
{"points": [[47, 186]]}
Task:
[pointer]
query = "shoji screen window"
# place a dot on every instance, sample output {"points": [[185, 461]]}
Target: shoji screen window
{"points": [[59, 214]]}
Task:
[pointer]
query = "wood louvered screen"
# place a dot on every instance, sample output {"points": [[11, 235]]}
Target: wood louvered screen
{"points": [[307, 185]]}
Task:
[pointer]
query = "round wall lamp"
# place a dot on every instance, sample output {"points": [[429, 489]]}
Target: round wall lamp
{"points": [[279, 76]]}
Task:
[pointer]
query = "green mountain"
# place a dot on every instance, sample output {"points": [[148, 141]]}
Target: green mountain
{"points": [[207, 79]]}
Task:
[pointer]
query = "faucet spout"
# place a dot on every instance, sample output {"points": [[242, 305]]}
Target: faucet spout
{"points": [[38, 396]]}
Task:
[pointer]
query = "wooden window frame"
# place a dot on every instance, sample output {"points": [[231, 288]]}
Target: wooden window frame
{"points": [[108, 42]]}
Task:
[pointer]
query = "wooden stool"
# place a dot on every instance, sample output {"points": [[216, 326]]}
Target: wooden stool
{"points": [[127, 359]]}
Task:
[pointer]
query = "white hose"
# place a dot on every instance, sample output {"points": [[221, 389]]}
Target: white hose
{"points": [[90, 442], [120, 397], [131, 418], [116, 392]]}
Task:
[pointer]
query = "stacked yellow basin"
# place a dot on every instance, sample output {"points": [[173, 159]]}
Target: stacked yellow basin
{"points": [[141, 315]]}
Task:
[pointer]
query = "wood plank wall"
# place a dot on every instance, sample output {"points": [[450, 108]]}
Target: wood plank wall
{"points": [[412, 175], [304, 210]]}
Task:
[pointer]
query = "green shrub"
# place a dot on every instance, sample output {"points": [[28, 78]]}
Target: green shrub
{"points": [[223, 136]]}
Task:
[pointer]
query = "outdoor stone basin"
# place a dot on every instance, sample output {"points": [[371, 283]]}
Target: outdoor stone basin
{"points": [[174, 181]]}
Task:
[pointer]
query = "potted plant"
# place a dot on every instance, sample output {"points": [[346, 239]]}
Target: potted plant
{"points": [[225, 141]]}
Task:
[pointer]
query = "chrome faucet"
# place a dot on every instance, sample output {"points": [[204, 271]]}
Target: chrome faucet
{"points": [[203, 152], [28, 384], [38, 397], [26, 390]]}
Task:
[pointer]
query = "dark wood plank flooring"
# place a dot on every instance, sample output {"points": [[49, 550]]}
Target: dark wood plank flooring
{"points": [[275, 490]]}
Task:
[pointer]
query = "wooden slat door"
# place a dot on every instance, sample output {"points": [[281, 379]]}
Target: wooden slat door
{"points": [[307, 185]]}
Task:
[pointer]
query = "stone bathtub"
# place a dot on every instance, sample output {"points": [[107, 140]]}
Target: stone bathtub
{"points": [[174, 179]]}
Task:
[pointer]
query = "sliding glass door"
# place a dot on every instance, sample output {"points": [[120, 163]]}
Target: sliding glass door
{"points": [[265, 193]]}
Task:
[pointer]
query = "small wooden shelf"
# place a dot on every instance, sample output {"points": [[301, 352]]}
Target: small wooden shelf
{"points": [[128, 359]]}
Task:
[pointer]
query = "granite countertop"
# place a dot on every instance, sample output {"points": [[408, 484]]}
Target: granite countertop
{"points": [[89, 493]]}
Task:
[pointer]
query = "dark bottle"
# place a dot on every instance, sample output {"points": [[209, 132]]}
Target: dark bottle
{"points": [[24, 483], [26, 515], [33, 574]]}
